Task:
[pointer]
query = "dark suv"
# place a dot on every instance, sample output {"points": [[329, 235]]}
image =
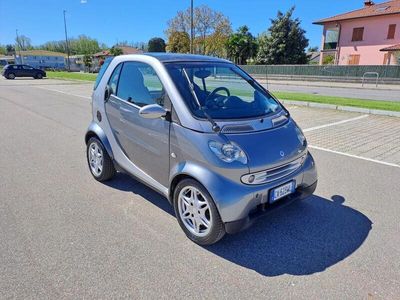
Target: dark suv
{"points": [[12, 71]]}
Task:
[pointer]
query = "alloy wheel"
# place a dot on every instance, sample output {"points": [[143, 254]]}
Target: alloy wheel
{"points": [[194, 211], [95, 159]]}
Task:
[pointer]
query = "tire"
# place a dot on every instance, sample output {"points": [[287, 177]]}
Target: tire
{"points": [[11, 76], [39, 76], [190, 221], [100, 163]]}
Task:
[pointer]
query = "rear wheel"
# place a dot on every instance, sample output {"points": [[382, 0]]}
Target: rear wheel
{"points": [[100, 163], [197, 213], [39, 76], [11, 76]]}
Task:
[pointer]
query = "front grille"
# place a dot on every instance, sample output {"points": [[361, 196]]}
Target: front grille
{"points": [[237, 128], [273, 174]]}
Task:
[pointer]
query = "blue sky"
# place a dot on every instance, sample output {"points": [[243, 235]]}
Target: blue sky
{"points": [[132, 20]]}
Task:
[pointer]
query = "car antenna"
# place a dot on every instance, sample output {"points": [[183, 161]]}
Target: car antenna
{"points": [[215, 126]]}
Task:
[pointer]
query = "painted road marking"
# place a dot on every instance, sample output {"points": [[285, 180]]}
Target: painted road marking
{"points": [[355, 156], [335, 123], [62, 92]]}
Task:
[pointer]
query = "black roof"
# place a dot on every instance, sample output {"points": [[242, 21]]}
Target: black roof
{"points": [[177, 57]]}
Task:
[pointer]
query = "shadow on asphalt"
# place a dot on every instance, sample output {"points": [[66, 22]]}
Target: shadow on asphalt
{"points": [[124, 182], [303, 238]]}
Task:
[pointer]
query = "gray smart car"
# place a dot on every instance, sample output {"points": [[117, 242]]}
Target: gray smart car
{"points": [[201, 132]]}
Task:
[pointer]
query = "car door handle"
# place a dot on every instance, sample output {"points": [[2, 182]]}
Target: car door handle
{"points": [[126, 110]]}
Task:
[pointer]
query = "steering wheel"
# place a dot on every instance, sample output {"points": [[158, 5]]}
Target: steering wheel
{"points": [[211, 96]]}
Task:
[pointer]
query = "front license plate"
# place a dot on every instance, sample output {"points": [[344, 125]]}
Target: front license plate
{"points": [[282, 191]]}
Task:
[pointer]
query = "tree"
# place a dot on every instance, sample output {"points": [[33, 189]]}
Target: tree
{"points": [[3, 50], [84, 45], [313, 49], [178, 42], [156, 45], [10, 50], [23, 42], [115, 51], [285, 41], [241, 45], [87, 61], [211, 29], [81, 45]]}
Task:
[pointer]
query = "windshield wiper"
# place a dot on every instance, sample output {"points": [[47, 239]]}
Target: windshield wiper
{"points": [[215, 126]]}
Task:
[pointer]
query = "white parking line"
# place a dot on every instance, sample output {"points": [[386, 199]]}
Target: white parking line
{"points": [[355, 156], [335, 123], [62, 92]]}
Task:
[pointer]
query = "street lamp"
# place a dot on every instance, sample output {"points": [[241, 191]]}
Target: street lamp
{"points": [[191, 27], [66, 40]]}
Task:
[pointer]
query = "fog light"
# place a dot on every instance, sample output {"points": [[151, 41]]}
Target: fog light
{"points": [[251, 179]]}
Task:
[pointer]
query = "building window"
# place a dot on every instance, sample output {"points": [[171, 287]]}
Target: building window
{"points": [[331, 38], [391, 31], [354, 59], [358, 34]]}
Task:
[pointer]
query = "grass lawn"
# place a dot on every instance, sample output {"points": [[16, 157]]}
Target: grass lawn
{"points": [[342, 101], [72, 75]]}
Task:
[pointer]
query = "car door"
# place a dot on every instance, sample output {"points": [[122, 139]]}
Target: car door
{"points": [[27, 71], [144, 141], [17, 70]]}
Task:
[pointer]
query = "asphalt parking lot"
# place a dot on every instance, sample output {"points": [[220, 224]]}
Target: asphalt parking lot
{"points": [[65, 236]]}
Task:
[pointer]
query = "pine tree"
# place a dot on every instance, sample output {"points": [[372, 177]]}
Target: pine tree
{"points": [[285, 42]]}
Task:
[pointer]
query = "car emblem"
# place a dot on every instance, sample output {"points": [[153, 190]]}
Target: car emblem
{"points": [[282, 153]]}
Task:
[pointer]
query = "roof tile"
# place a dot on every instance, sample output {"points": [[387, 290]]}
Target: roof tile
{"points": [[385, 8]]}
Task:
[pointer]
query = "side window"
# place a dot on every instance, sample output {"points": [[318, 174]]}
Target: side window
{"points": [[140, 85], [113, 81]]}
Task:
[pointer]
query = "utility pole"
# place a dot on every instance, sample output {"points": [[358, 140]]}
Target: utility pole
{"points": [[19, 46], [191, 27], [66, 41]]}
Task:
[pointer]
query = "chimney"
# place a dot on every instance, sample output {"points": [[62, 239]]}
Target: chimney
{"points": [[368, 3]]}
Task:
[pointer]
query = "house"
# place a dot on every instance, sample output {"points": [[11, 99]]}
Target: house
{"points": [[99, 57], [367, 36], [5, 60], [41, 59], [313, 57]]}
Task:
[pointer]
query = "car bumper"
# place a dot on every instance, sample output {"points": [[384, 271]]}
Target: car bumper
{"points": [[240, 204], [263, 209]]}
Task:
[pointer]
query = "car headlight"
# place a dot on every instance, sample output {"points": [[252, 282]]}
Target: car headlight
{"points": [[229, 152], [301, 137]]}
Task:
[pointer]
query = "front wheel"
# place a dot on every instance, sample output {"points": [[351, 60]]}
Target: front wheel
{"points": [[11, 76], [100, 163], [197, 214]]}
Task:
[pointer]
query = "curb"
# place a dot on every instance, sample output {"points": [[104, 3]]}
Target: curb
{"points": [[344, 108]]}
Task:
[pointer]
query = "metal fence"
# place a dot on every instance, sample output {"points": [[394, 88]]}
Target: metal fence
{"points": [[324, 71]]}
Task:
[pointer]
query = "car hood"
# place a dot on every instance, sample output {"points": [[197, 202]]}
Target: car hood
{"points": [[270, 148]]}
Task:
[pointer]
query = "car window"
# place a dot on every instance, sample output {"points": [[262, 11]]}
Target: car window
{"points": [[102, 71], [140, 85], [27, 68], [14, 67], [113, 81]]}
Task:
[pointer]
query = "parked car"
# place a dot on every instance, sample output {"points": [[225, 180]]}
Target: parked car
{"points": [[12, 71], [201, 132]]}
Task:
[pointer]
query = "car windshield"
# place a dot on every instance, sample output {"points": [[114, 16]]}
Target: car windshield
{"points": [[223, 90]]}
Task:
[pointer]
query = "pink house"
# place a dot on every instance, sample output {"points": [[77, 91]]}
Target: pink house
{"points": [[367, 36]]}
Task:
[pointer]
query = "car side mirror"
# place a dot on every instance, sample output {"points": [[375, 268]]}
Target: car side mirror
{"points": [[152, 111], [107, 93]]}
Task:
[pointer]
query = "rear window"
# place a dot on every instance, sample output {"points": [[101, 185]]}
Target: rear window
{"points": [[102, 71]]}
